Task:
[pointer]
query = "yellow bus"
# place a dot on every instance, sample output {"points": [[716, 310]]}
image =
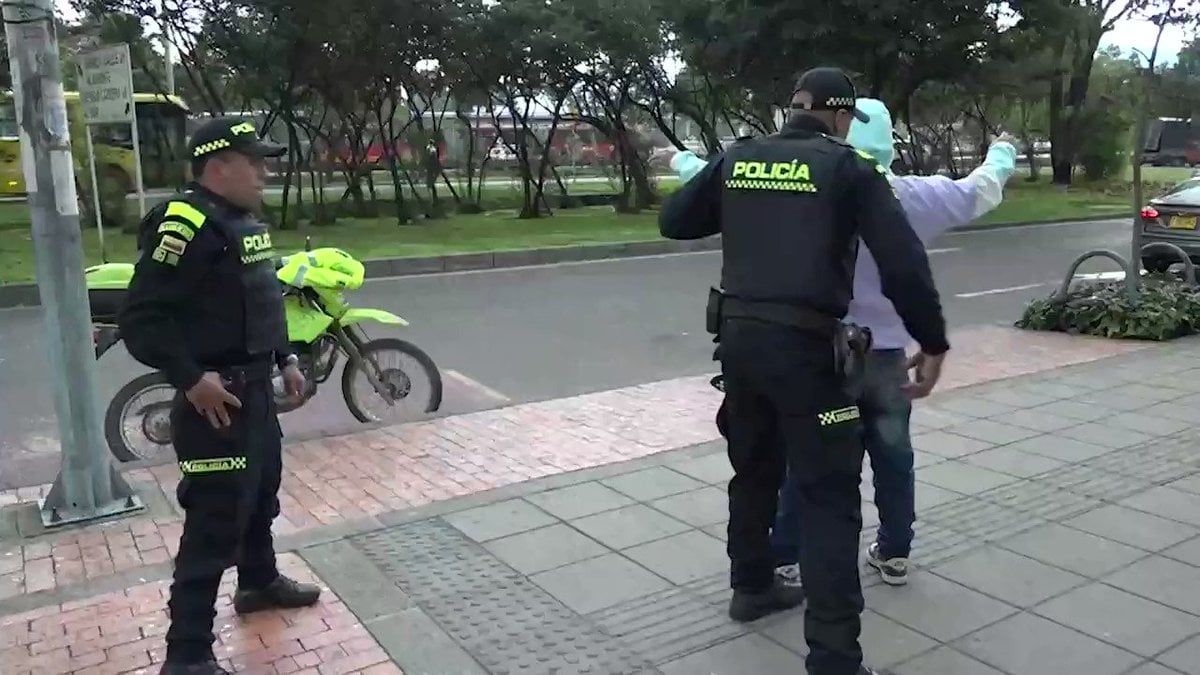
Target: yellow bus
{"points": [[162, 131]]}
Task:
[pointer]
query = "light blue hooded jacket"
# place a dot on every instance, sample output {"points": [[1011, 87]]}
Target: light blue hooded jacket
{"points": [[934, 204]]}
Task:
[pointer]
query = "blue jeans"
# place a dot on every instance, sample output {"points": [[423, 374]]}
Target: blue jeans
{"points": [[886, 411]]}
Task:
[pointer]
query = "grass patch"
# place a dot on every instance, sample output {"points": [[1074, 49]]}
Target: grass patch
{"points": [[500, 230]]}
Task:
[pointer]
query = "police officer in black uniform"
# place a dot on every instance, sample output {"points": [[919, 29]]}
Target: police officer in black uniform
{"points": [[205, 308], [790, 209]]}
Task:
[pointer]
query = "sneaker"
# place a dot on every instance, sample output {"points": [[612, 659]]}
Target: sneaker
{"points": [[283, 593], [788, 575], [745, 607], [893, 571], [209, 667]]}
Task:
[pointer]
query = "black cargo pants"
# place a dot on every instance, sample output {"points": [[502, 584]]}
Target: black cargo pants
{"points": [[229, 493], [788, 410]]}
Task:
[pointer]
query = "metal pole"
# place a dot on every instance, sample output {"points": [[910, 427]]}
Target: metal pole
{"points": [[137, 161], [88, 485], [168, 48], [91, 148]]}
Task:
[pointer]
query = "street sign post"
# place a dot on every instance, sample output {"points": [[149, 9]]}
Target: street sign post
{"points": [[88, 486], [106, 96]]}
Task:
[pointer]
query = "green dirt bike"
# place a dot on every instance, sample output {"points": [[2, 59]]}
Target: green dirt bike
{"points": [[322, 328]]}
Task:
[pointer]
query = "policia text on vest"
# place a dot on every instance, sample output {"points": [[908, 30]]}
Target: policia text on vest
{"points": [[790, 209]]}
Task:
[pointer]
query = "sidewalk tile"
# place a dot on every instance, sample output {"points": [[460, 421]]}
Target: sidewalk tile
{"points": [[1106, 435], [714, 468], [1173, 411], [1184, 658], [628, 526], [580, 500], [1172, 583], [991, 431], [1147, 422], [884, 642], [975, 406], [1031, 645], [543, 549], [1087, 554], [493, 521], [122, 632], [1072, 409], [682, 558], [1056, 446], [747, 654], [931, 417], [1013, 578], [1188, 552], [1012, 462], [652, 483], [1132, 527], [962, 477], [707, 506], [1190, 484], [1125, 620], [1168, 503], [1153, 669], [937, 607], [598, 583], [948, 445], [945, 661], [929, 496], [1038, 421], [1018, 396]]}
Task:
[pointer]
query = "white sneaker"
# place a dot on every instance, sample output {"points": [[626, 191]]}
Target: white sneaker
{"points": [[788, 575], [893, 571]]}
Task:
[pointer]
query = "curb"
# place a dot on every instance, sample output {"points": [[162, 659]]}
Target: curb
{"points": [[26, 295]]}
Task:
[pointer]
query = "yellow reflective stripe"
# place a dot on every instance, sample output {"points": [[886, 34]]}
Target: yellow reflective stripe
{"points": [[188, 213], [178, 228], [215, 465]]}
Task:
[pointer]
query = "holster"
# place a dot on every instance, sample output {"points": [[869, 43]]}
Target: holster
{"points": [[851, 345], [713, 312]]}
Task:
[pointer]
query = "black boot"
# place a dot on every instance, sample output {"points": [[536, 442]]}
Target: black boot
{"points": [[283, 593], [751, 606], [209, 667]]}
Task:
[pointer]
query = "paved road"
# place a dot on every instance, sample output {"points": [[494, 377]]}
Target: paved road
{"points": [[537, 333]]}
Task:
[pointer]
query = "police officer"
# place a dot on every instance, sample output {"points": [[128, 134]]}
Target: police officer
{"points": [[790, 208], [205, 308]]}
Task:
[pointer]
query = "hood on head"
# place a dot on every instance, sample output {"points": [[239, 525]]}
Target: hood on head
{"points": [[873, 137]]}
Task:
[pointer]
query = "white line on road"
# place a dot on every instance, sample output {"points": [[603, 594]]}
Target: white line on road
{"points": [[932, 251], [997, 291], [476, 385]]}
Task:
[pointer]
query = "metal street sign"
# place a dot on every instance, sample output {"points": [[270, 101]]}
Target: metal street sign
{"points": [[106, 85]]}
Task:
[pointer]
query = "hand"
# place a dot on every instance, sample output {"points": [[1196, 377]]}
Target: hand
{"points": [[929, 370], [295, 383], [1005, 138], [209, 397]]}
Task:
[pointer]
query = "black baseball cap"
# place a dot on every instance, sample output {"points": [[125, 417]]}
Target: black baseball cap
{"points": [[830, 89], [231, 133]]}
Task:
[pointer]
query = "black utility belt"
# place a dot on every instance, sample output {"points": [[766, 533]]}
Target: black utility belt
{"points": [[254, 371], [721, 307]]}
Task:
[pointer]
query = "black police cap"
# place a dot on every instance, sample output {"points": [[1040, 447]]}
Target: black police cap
{"points": [[234, 134], [829, 89]]}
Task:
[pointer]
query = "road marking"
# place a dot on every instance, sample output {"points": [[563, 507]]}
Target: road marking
{"points": [[932, 251], [1035, 226], [472, 383], [997, 291]]}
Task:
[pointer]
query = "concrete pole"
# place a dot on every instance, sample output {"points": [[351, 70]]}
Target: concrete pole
{"points": [[168, 47], [88, 485]]}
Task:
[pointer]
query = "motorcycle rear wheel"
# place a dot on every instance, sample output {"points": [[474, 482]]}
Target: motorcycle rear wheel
{"points": [[396, 380], [155, 423]]}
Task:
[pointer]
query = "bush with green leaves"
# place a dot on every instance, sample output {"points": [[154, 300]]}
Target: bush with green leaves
{"points": [[1165, 309]]}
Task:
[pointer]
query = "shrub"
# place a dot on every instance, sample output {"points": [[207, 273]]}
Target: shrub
{"points": [[1165, 309]]}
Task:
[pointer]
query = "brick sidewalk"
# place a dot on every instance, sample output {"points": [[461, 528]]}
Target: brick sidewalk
{"points": [[377, 472]]}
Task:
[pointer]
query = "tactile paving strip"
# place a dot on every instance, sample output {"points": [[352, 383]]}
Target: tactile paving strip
{"points": [[506, 622]]}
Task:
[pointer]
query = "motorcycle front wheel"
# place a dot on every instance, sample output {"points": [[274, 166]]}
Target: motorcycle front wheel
{"points": [[411, 381], [137, 423]]}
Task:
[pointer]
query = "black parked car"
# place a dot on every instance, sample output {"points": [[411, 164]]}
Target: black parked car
{"points": [[1171, 217]]}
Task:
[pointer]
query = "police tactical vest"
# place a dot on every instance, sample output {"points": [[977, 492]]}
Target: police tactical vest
{"points": [[239, 309], [786, 236], [262, 294]]}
